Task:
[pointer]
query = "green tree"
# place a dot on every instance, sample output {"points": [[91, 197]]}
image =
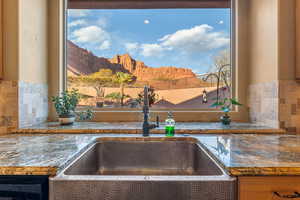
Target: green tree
{"points": [[116, 96], [122, 79], [97, 80]]}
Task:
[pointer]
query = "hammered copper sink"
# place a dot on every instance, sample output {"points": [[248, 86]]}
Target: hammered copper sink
{"points": [[144, 169]]}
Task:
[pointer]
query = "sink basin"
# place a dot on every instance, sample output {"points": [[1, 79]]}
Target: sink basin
{"points": [[145, 157], [142, 169]]}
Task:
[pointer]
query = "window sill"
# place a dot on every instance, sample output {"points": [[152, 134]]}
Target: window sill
{"points": [[136, 127]]}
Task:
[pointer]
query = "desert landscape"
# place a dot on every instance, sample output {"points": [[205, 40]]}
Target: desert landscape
{"points": [[119, 81]]}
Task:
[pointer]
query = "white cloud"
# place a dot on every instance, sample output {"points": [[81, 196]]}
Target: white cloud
{"points": [[90, 34], [197, 39], [221, 22], [94, 36], [105, 45], [151, 50], [146, 21], [78, 22], [78, 13]]}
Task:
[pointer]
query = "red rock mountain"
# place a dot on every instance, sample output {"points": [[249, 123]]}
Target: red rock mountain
{"points": [[145, 73], [83, 62]]}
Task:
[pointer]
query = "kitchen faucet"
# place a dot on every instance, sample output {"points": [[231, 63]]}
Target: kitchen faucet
{"points": [[146, 125]]}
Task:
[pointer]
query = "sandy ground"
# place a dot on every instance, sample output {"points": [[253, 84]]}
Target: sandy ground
{"points": [[175, 96]]}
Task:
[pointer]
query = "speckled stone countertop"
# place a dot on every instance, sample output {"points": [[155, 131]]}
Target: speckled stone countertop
{"points": [[136, 127], [254, 155], [238, 154]]}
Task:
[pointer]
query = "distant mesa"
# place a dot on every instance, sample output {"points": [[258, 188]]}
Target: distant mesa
{"points": [[83, 62]]}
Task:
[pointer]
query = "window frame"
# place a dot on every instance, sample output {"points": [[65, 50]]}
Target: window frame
{"points": [[146, 4], [239, 76]]}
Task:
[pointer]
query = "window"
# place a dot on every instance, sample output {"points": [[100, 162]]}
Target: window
{"points": [[182, 51]]}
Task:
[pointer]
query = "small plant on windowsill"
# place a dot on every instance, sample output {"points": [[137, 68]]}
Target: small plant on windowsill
{"points": [[226, 105], [65, 106]]}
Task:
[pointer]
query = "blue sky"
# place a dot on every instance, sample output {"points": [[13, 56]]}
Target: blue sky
{"points": [[186, 38]]}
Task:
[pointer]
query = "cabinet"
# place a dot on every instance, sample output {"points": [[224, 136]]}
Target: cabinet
{"points": [[268, 188], [24, 188]]}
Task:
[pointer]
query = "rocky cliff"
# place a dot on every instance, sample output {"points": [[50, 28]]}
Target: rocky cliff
{"points": [[83, 62], [145, 73]]}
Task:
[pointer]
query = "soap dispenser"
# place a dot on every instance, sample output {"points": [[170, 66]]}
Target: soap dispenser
{"points": [[170, 125]]}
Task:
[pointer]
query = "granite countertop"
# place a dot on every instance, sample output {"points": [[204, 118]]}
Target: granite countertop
{"points": [[238, 154], [39, 155], [136, 127], [252, 154]]}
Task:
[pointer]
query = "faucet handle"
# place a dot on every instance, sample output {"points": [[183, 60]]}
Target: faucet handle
{"points": [[157, 121]]}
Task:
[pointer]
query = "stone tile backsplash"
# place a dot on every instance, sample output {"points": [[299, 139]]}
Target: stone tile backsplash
{"points": [[289, 106], [22, 104], [8, 106], [276, 104], [33, 103], [263, 100]]}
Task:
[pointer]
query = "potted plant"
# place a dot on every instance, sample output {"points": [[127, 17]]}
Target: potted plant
{"points": [[65, 106], [226, 105]]}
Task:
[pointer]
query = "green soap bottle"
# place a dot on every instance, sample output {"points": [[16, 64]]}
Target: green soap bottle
{"points": [[170, 125]]}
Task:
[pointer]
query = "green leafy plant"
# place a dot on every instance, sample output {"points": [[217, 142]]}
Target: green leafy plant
{"points": [[97, 80], [226, 104], [85, 115], [117, 96], [122, 79], [65, 105]]}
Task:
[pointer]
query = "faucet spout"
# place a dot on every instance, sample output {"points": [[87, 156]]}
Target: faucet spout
{"points": [[146, 125]]}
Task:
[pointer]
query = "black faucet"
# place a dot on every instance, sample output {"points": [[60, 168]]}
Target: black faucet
{"points": [[146, 125]]}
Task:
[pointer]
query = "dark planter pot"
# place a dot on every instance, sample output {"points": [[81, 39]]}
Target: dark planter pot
{"points": [[66, 119], [99, 104], [225, 119]]}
